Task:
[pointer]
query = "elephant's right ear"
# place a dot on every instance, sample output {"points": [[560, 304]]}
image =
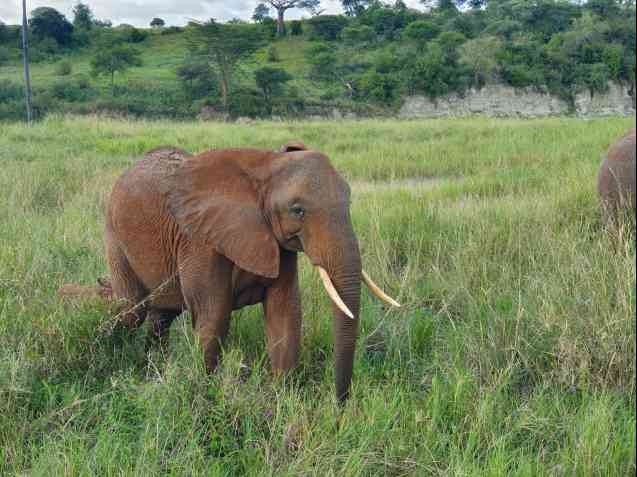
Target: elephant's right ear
{"points": [[215, 202], [292, 146]]}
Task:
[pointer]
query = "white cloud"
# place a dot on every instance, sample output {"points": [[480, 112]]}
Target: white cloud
{"points": [[141, 12]]}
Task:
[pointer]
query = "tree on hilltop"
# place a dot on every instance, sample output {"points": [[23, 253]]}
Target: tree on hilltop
{"points": [[82, 16], [157, 23], [47, 22], [261, 12], [353, 8]]}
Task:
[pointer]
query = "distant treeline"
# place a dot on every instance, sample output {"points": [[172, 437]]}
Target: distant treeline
{"points": [[370, 57]]}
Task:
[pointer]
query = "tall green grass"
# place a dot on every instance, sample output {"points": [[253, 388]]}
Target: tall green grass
{"points": [[514, 353]]}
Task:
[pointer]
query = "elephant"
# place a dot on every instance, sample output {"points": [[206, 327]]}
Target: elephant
{"points": [[616, 179], [222, 230]]}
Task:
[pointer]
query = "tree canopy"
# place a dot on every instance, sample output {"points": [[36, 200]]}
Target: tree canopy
{"points": [[47, 22]]}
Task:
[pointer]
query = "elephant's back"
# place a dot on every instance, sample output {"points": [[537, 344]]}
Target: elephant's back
{"points": [[139, 221]]}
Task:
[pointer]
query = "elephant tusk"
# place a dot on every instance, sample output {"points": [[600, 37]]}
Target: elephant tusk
{"points": [[333, 294], [377, 291]]}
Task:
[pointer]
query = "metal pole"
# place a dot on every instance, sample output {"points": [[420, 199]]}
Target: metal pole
{"points": [[25, 56]]}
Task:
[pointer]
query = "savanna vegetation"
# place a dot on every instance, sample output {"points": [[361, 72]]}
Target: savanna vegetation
{"points": [[513, 354], [364, 61]]}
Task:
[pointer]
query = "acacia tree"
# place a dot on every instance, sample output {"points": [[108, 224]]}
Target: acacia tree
{"points": [[114, 58], [157, 23], [48, 22], [223, 46], [354, 8], [82, 16], [261, 12], [282, 6]]}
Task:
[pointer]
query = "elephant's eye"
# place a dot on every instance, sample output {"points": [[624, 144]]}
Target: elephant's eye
{"points": [[298, 211]]}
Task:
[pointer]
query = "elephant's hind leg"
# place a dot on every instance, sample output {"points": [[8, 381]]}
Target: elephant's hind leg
{"points": [[126, 287], [159, 328]]}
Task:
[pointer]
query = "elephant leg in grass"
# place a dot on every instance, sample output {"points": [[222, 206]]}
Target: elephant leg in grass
{"points": [[126, 286], [282, 313], [159, 329], [207, 289]]}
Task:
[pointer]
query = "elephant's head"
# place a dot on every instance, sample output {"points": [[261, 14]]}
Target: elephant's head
{"points": [[250, 204]]}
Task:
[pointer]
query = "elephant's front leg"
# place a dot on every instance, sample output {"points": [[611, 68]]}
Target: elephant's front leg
{"points": [[282, 307], [207, 288]]}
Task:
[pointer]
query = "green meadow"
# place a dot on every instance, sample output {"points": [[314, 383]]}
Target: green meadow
{"points": [[513, 353]]}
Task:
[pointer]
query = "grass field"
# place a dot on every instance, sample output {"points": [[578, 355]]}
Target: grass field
{"points": [[514, 353]]}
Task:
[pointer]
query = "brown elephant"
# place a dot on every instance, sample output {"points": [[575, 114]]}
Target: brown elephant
{"points": [[616, 179], [222, 230]]}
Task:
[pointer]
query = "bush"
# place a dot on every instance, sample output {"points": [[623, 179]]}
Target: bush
{"points": [[10, 91], [296, 28], [198, 79], [4, 55], [136, 35], [172, 30], [246, 102], [327, 27], [596, 77], [378, 87], [63, 68], [358, 35], [421, 31], [72, 91], [273, 54], [268, 27]]}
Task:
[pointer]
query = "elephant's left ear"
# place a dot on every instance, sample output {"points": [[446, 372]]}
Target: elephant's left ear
{"points": [[214, 201], [292, 146]]}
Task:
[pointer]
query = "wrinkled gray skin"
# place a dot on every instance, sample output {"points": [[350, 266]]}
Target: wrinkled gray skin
{"points": [[616, 180]]}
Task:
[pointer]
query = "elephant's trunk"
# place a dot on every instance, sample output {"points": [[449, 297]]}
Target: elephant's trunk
{"points": [[341, 262], [348, 284]]}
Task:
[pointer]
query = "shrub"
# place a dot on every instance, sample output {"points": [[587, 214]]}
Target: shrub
{"points": [[268, 27], [421, 31], [596, 77], [4, 55], [63, 68], [198, 79], [379, 87], [327, 27], [172, 30], [10, 91], [246, 102], [358, 35], [136, 35], [72, 91], [296, 28], [273, 54]]}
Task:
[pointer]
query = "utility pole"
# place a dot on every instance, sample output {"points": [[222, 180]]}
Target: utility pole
{"points": [[25, 56]]}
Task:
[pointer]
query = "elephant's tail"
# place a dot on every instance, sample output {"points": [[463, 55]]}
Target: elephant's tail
{"points": [[103, 290]]}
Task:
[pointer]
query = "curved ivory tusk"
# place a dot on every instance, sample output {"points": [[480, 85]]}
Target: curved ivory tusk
{"points": [[377, 291], [333, 294]]}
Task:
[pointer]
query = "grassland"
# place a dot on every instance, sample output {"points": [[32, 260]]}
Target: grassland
{"points": [[513, 355]]}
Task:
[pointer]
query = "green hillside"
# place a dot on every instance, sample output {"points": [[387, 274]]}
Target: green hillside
{"points": [[365, 63]]}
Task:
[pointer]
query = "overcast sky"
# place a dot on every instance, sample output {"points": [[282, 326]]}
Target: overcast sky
{"points": [[140, 12]]}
